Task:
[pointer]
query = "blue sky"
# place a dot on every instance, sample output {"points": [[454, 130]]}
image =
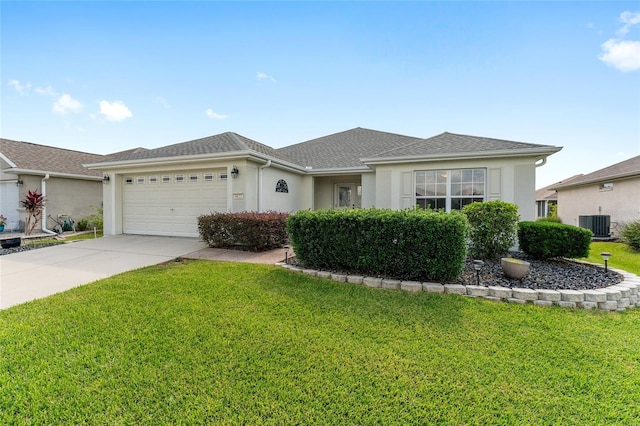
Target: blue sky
{"points": [[108, 76]]}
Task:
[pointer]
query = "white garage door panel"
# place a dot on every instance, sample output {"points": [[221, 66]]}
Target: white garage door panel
{"points": [[170, 208]]}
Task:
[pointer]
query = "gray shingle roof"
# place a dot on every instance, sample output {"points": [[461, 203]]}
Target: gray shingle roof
{"points": [[344, 149], [623, 169], [451, 143], [228, 142], [48, 159]]}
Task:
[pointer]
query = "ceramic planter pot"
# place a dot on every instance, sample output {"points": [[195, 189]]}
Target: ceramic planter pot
{"points": [[515, 269]]}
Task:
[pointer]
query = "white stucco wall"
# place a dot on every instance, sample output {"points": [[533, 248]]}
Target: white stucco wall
{"points": [[622, 202], [279, 201]]}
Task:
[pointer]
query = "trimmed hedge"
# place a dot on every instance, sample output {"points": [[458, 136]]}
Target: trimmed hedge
{"points": [[407, 244], [249, 231], [544, 240]]}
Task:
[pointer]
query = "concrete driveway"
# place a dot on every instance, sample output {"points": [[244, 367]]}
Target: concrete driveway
{"points": [[39, 273]]}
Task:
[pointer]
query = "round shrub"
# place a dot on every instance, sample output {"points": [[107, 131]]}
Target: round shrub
{"points": [[494, 225], [630, 234], [544, 240]]}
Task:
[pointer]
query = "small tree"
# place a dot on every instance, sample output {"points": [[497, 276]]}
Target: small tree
{"points": [[34, 204], [494, 226]]}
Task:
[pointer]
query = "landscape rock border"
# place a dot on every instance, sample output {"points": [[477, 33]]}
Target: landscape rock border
{"points": [[622, 296]]}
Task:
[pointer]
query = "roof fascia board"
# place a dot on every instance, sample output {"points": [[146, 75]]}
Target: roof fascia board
{"points": [[464, 156], [341, 171], [52, 174]]}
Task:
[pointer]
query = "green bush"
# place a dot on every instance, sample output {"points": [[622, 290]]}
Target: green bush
{"points": [[494, 225], [630, 234], [249, 231], [83, 224], [544, 240], [407, 244]]}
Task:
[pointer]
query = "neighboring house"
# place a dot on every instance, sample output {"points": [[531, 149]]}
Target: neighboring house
{"points": [[547, 197], [162, 191], [70, 188], [613, 191]]}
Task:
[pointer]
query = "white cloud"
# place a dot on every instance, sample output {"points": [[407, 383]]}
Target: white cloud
{"points": [[45, 91], [20, 88], [621, 54], [214, 115], [65, 104], [628, 19], [263, 76], [115, 111]]}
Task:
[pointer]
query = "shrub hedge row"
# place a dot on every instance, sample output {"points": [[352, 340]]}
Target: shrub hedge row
{"points": [[630, 234], [248, 231], [544, 240], [407, 244]]}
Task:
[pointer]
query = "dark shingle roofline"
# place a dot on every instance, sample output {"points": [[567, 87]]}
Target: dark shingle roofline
{"points": [[604, 174]]}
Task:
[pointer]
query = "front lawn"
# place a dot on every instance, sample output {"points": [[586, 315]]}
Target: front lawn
{"points": [[202, 342]]}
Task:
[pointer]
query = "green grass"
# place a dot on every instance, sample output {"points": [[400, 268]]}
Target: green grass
{"points": [[75, 237], [622, 256], [203, 342]]}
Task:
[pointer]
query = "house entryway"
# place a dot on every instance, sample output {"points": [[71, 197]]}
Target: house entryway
{"points": [[347, 195]]}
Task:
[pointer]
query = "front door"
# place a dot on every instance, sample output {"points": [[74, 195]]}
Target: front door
{"points": [[347, 195]]}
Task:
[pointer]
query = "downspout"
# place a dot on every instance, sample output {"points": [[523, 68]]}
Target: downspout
{"points": [[43, 221], [260, 184]]}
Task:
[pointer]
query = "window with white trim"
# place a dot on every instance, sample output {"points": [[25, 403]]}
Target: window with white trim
{"points": [[128, 180], [166, 179], [223, 176], [193, 178], [179, 178], [153, 179], [449, 189], [140, 180], [207, 177]]}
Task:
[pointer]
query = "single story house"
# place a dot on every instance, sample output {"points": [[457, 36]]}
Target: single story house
{"points": [[613, 191], [162, 191], [70, 188]]}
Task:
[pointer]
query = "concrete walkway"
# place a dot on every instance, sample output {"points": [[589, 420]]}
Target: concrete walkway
{"points": [[39, 273]]}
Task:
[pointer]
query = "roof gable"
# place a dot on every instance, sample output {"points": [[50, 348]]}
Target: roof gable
{"points": [[228, 142], [451, 143], [47, 159]]}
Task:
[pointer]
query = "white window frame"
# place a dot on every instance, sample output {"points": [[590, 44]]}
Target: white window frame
{"points": [[166, 179], [223, 176], [128, 180], [140, 180], [194, 178], [179, 178], [208, 177], [153, 180], [443, 182]]}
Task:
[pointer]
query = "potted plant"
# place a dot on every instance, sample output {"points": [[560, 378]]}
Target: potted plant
{"points": [[514, 268], [3, 221]]}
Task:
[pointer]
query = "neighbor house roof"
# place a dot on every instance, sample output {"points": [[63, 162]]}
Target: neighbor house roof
{"points": [[228, 142], [31, 158], [549, 192], [624, 169]]}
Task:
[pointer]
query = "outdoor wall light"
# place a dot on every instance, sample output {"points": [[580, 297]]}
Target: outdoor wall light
{"points": [[605, 256], [234, 172], [19, 183], [105, 179], [477, 265]]}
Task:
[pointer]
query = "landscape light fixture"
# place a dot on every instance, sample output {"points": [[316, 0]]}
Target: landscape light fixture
{"points": [[234, 172], [286, 255], [105, 179], [477, 265], [605, 256], [19, 183]]}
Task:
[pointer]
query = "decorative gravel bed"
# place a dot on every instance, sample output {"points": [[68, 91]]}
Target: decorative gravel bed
{"points": [[558, 274]]}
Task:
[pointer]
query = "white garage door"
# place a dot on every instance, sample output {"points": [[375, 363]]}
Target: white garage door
{"points": [[169, 204]]}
